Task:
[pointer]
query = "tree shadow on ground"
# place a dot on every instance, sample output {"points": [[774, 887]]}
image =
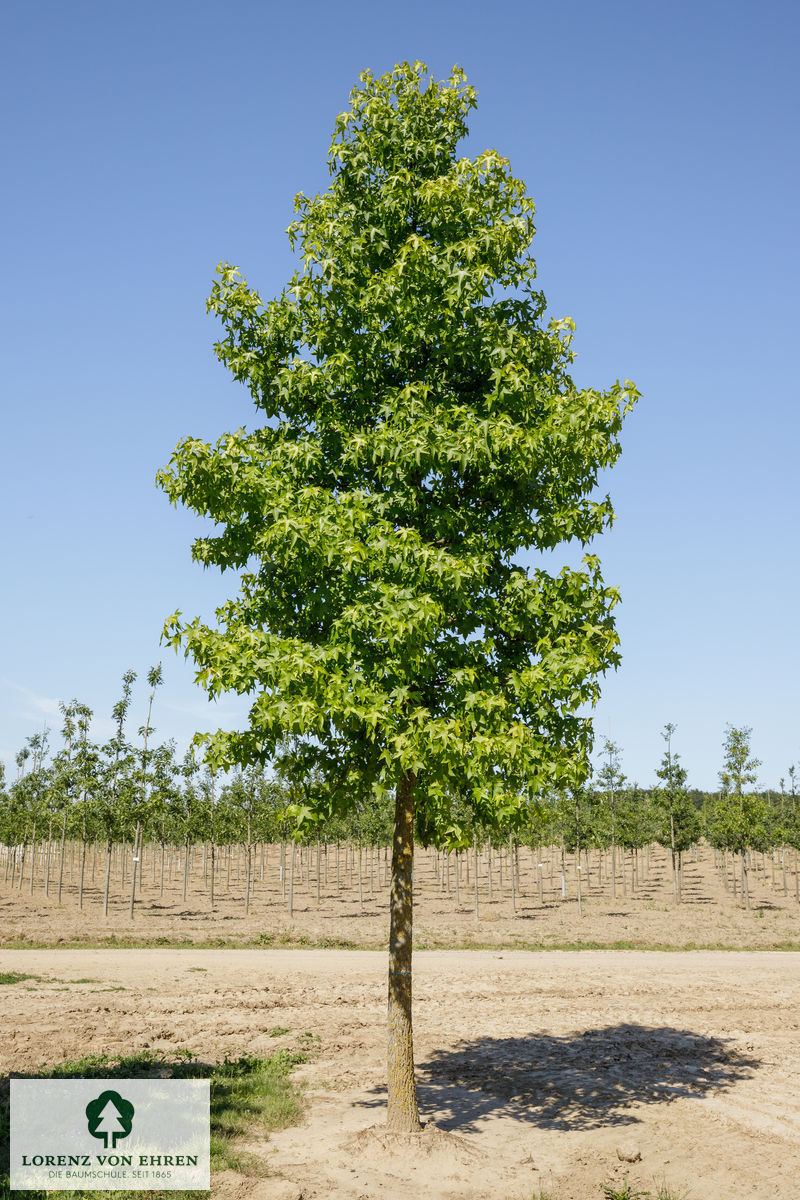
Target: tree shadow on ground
{"points": [[581, 1081]]}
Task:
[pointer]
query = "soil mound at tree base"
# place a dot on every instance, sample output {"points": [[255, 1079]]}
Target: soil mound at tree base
{"points": [[437, 1146]]}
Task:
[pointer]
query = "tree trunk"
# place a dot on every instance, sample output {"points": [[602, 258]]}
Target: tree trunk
{"points": [[61, 863], [108, 878], [82, 868], [22, 862], [47, 861], [33, 855], [512, 873], [402, 1113], [475, 854], [137, 853], [248, 868]]}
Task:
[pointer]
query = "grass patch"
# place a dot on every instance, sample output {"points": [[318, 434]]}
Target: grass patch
{"points": [[247, 1094], [291, 941], [626, 1192], [285, 941], [251, 1092], [14, 977]]}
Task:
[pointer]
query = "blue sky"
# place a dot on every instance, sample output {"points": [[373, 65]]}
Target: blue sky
{"points": [[145, 142]]}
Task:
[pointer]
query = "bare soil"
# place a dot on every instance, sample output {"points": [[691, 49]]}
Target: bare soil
{"points": [[643, 915], [534, 1068]]}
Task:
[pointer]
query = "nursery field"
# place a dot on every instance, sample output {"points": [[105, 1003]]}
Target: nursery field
{"points": [[322, 903], [534, 1068], [537, 1065]]}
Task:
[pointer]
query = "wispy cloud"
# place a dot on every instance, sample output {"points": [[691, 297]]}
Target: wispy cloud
{"points": [[42, 705]]}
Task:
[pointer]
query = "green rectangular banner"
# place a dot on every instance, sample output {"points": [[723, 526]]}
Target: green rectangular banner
{"points": [[126, 1134]]}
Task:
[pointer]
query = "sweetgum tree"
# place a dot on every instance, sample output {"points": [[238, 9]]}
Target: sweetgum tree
{"points": [[419, 430], [679, 824], [739, 820]]}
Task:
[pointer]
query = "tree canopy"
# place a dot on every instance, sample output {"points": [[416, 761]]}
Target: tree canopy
{"points": [[420, 430]]}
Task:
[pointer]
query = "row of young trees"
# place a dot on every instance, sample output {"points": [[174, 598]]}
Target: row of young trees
{"points": [[736, 820], [132, 791]]}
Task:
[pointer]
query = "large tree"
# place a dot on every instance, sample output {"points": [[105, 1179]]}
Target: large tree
{"points": [[419, 432]]}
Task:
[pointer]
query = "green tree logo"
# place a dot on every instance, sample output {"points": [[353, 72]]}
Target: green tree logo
{"points": [[109, 1116]]}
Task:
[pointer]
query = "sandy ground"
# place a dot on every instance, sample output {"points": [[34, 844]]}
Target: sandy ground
{"points": [[644, 915], [533, 1068]]}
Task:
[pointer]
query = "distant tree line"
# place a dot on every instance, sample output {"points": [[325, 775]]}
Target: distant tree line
{"points": [[130, 791]]}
